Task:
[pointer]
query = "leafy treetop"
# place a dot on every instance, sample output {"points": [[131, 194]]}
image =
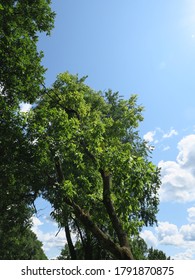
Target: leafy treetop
{"points": [[21, 72], [93, 159]]}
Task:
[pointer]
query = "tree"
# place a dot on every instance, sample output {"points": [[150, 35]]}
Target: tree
{"points": [[96, 167], [21, 72], [21, 78], [154, 254], [21, 245], [18, 188], [139, 248]]}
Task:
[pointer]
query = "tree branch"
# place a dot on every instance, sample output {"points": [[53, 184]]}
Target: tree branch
{"points": [[120, 252], [121, 234]]}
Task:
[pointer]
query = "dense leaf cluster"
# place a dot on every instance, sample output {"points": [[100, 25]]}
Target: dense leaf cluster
{"points": [[21, 72]]}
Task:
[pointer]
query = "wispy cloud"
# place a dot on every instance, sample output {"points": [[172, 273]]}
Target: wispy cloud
{"points": [[171, 133], [186, 255], [149, 136], [166, 148], [191, 214], [158, 136]]}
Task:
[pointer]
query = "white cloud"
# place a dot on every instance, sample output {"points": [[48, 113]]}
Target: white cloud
{"points": [[149, 238], [191, 214], [186, 156], [158, 136], [171, 133], [178, 177], [188, 232], [187, 255], [50, 241], [149, 136], [168, 234], [25, 107], [36, 222], [166, 148]]}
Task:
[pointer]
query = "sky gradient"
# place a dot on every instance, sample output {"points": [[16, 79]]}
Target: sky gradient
{"points": [[147, 48]]}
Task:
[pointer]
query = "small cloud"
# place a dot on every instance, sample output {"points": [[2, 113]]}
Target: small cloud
{"points": [[186, 156], [191, 214], [170, 134], [25, 107], [149, 136], [188, 232], [166, 148], [187, 255], [149, 238], [168, 234], [36, 222]]}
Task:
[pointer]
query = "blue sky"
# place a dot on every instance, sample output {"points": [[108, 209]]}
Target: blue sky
{"points": [[147, 48]]}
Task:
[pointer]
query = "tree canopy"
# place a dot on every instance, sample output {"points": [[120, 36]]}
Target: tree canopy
{"points": [[96, 166]]}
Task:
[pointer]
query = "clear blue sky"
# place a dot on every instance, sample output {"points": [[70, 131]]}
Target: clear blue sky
{"points": [[148, 48]]}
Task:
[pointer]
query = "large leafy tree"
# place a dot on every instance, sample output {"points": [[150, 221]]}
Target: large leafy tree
{"points": [[95, 166], [21, 78]]}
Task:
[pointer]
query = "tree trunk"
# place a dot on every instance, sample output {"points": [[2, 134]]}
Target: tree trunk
{"points": [[71, 248], [122, 251], [121, 234]]}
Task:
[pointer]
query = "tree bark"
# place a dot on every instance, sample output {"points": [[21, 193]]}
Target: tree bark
{"points": [[121, 253], [121, 234], [71, 248]]}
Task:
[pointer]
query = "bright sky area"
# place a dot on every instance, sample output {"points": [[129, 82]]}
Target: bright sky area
{"points": [[147, 48]]}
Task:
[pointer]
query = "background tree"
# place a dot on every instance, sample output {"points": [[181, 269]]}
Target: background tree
{"points": [[154, 254], [21, 76], [21, 244], [95, 165]]}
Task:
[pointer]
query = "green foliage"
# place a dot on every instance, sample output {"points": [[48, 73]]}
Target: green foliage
{"points": [[21, 73], [20, 244], [142, 252], [21, 76], [18, 184], [80, 133], [154, 254]]}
